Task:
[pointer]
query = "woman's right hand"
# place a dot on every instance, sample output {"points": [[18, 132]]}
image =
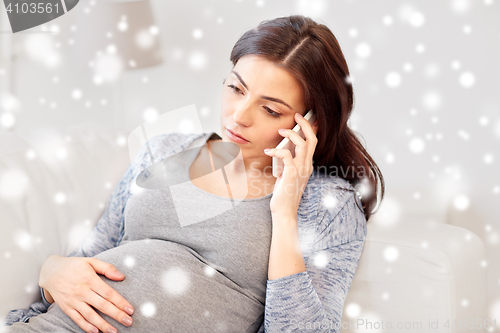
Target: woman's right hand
{"points": [[74, 285]]}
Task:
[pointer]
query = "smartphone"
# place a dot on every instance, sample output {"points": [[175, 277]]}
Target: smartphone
{"points": [[286, 143]]}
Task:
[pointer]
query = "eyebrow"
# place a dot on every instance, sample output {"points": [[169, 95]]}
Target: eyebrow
{"points": [[272, 99]]}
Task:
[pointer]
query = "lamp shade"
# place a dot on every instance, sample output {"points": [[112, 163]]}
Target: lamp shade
{"points": [[123, 30]]}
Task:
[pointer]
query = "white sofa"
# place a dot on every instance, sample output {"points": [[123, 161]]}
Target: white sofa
{"points": [[54, 185]]}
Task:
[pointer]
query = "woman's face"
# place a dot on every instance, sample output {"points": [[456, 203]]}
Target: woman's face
{"points": [[258, 98]]}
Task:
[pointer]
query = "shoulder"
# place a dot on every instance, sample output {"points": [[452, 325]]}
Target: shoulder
{"points": [[328, 191], [168, 142], [163, 145], [330, 213]]}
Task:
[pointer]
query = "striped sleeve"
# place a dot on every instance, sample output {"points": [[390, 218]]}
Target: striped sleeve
{"points": [[313, 300]]}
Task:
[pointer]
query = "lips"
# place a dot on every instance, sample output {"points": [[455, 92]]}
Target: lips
{"points": [[236, 134]]}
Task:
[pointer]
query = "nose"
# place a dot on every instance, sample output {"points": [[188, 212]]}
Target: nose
{"points": [[243, 114]]}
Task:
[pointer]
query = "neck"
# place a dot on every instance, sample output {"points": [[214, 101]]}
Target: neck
{"points": [[255, 167], [259, 167]]}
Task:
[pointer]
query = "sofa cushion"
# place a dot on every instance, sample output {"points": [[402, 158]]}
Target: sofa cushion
{"points": [[54, 185]]}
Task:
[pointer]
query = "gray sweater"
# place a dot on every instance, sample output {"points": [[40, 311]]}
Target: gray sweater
{"points": [[197, 262]]}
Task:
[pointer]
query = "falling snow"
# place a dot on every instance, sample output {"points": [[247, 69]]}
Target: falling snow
{"points": [[209, 271], [76, 94], [461, 202], [329, 201], [145, 39], [388, 20], [424, 103], [363, 50], [467, 79], [352, 310], [60, 198], [393, 79], [121, 140], [7, 120], [391, 253], [148, 309], [23, 240], [321, 260], [150, 114], [432, 100], [197, 33], [198, 60], [108, 68], [176, 281], [129, 261], [417, 145]]}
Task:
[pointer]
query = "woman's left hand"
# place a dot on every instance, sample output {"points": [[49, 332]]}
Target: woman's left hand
{"points": [[290, 185]]}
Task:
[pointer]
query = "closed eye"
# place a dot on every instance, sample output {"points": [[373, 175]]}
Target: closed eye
{"points": [[269, 111], [234, 88]]}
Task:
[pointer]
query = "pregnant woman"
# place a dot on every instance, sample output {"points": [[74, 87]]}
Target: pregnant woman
{"points": [[231, 248]]}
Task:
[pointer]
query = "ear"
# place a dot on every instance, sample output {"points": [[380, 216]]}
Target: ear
{"points": [[315, 128]]}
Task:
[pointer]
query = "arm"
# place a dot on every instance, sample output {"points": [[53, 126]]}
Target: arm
{"points": [[313, 299]]}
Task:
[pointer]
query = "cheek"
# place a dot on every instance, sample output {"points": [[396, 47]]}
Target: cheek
{"points": [[227, 102], [223, 97], [225, 108], [271, 137], [274, 137]]}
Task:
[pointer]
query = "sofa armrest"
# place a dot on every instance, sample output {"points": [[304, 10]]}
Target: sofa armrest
{"points": [[419, 274], [59, 192]]}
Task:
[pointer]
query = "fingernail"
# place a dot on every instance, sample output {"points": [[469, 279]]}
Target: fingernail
{"points": [[94, 330], [281, 130], [112, 330], [299, 115], [129, 310], [267, 150], [120, 274], [127, 321]]}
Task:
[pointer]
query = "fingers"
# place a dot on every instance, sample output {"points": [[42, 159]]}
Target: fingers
{"points": [[294, 137], [106, 269], [105, 290], [310, 134], [286, 155], [300, 147], [76, 287], [81, 322], [304, 150], [308, 130], [102, 300], [305, 126], [94, 319]]}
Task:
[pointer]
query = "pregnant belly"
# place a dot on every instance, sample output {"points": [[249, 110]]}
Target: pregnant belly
{"points": [[172, 290]]}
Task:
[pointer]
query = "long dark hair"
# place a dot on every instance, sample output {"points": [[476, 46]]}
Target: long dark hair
{"points": [[310, 52]]}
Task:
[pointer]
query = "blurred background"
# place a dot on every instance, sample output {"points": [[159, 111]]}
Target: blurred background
{"points": [[425, 77]]}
